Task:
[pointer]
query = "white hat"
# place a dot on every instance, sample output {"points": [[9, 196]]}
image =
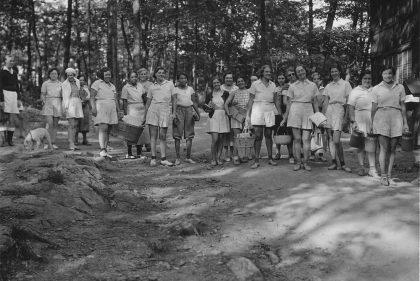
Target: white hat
{"points": [[70, 70]]}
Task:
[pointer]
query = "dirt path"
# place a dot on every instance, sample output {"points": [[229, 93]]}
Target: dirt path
{"points": [[188, 222]]}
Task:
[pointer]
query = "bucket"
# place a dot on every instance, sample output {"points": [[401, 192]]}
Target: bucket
{"points": [[371, 141], [283, 138], [126, 132], [244, 143], [407, 142], [357, 140]]}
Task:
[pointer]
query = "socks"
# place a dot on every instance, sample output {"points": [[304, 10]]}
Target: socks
{"points": [[320, 154], [10, 137], [153, 157], [372, 168], [163, 158], [342, 163], [139, 149], [129, 150], [334, 161]]}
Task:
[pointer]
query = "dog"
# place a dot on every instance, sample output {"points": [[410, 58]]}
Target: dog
{"points": [[37, 137]]}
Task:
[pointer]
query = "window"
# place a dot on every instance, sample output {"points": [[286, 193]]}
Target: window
{"points": [[403, 64]]}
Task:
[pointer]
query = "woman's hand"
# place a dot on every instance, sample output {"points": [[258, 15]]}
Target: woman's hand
{"points": [[283, 122], [144, 123], [354, 126], [94, 112], [406, 128], [120, 115], [285, 87], [1, 104], [19, 103]]}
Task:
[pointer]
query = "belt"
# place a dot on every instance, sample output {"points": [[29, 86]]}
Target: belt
{"points": [[53, 97], [183, 106], [74, 97], [387, 108], [264, 101], [301, 102]]}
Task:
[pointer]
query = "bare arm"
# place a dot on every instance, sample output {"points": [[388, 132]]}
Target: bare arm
{"points": [[92, 101], [149, 101], [195, 106], [325, 104], [404, 115], [352, 116], [316, 104], [173, 98], [228, 101], [250, 104], [277, 103], [125, 103], [286, 115], [374, 108]]}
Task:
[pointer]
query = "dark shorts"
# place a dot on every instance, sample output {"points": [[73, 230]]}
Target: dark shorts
{"points": [[186, 123]]}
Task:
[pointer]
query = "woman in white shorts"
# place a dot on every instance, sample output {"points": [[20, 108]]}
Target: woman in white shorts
{"points": [[218, 122], [263, 105], [105, 107], [158, 113], [72, 104], [360, 110], [334, 107], [389, 119], [52, 102], [238, 99], [229, 138], [302, 99]]}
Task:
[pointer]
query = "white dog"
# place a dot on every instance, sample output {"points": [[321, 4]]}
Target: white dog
{"points": [[38, 136]]}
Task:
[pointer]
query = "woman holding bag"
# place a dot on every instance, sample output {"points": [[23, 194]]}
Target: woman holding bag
{"points": [[218, 122], [389, 119], [302, 100], [228, 140], [83, 124], [239, 99]]}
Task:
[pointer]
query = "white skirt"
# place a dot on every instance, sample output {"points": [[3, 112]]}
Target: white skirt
{"points": [[10, 102], [75, 109], [218, 123]]}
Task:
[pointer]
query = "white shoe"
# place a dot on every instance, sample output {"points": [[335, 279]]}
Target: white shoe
{"points": [[291, 160], [374, 175], [109, 148], [54, 146], [177, 162], [166, 163], [46, 146], [108, 155], [103, 153], [189, 160], [153, 163]]}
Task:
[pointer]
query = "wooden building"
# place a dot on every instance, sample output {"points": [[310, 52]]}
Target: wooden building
{"points": [[395, 33]]}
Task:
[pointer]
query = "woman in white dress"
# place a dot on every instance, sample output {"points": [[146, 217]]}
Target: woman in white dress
{"points": [[143, 77]]}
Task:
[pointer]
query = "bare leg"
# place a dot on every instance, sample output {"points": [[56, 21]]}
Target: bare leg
{"points": [[338, 145], [384, 143], [235, 132], [103, 132], [220, 146], [361, 156], [332, 145], [214, 143], [259, 131], [189, 146], [178, 148], [162, 138], [269, 142], [392, 147], [306, 139], [153, 138], [50, 121], [71, 131], [297, 144]]}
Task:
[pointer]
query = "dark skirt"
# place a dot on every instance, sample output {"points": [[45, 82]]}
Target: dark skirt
{"points": [[84, 123]]}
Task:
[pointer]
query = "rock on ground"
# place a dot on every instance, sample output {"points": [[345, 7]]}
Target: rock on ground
{"points": [[245, 270]]}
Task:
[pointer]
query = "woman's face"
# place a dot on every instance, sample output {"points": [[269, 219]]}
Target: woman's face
{"points": [[82, 81], [335, 74], [133, 78], [229, 79], [160, 75], [387, 76], [216, 84], [253, 79], [107, 76], [317, 80], [70, 76], [292, 76], [367, 80], [267, 73], [54, 75], [241, 83], [281, 79], [301, 72], [182, 80], [143, 76]]}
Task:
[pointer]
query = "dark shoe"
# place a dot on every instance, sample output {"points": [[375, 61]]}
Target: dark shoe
{"points": [[10, 138], [86, 143], [361, 172]]}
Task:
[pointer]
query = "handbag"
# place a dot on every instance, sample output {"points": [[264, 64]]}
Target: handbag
{"points": [[318, 119], [237, 114], [208, 110]]}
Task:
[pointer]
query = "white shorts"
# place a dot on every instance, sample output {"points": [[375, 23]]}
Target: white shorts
{"points": [[263, 114], [10, 102]]}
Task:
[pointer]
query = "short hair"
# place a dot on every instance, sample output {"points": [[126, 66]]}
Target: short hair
{"points": [[8, 56], [81, 76], [226, 74], [290, 69], [181, 74], [157, 69], [131, 72], [316, 73], [386, 67], [338, 68], [102, 71], [240, 77], [363, 73], [143, 69], [217, 78], [261, 70], [51, 70], [300, 65]]}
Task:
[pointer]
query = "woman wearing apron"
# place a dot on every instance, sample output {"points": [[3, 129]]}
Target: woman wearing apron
{"points": [[360, 108], [228, 139], [134, 112], [83, 125], [158, 113], [335, 100], [143, 77], [72, 104], [105, 107], [389, 119], [263, 105], [301, 103], [239, 99], [51, 100], [218, 122]]}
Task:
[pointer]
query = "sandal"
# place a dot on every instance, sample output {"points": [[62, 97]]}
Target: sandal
{"points": [[272, 163], [277, 156], [384, 181], [296, 167], [332, 167], [213, 162], [391, 181], [128, 156], [307, 167], [346, 169], [236, 160], [255, 165]]}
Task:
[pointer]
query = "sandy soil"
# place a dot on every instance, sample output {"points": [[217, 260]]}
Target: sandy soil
{"points": [[187, 222]]}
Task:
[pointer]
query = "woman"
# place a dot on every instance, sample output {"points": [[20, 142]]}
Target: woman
{"points": [[302, 100], [184, 122], [319, 132], [238, 99], [335, 99], [51, 103], [218, 122], [360, 107], [105, 107], [83, 124], [264, 105], [228, 139], [253, 78], [133, 108], [72, 104], [389, 119], [158, 113], [143, 79]]}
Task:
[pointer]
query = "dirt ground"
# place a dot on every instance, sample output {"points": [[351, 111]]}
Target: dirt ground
{"points": [[83, 218]]}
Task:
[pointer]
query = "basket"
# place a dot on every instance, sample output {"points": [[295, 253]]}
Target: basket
{"points": [[244, 143], [126, 132], [282, 139]]}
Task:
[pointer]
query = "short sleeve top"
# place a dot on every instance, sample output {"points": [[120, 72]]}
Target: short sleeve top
{"points": [[360, 98], [161, 93], [105, 91], [388, 98], [183, 96], [146, 84], [229, 89], [241, 98], [337, 92], [52, 89], [132, 93], [303, 92], [261, 92]]}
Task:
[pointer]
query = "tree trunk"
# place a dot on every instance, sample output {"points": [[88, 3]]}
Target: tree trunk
{"points": [[67, 39], [113, 41], [311, 25], [263, 46], [195, 46], [137, 30], [145, 35], [78, 37], [127, 46], [87, 64], [176, 40], [29, 52], [57, 50], [228, 37], [37, 52], [331, 14]]}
